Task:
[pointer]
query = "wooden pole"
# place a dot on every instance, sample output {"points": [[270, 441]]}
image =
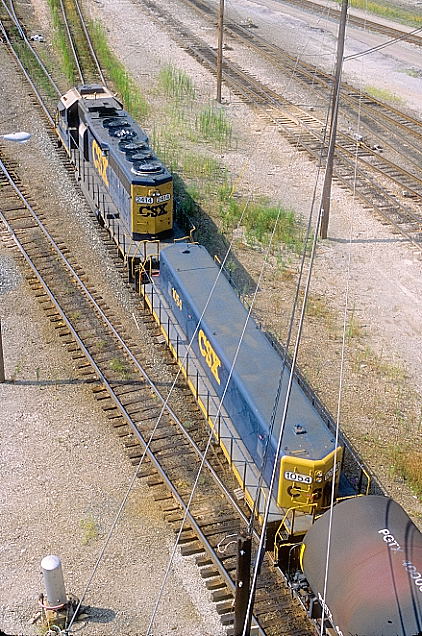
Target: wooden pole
{"points": [[220, 26], [2, 376], [243, 573], [326, 189]]}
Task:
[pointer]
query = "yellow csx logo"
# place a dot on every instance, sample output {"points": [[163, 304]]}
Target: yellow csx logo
{"points": [[100, 161], [176, 298], [211, 358]]}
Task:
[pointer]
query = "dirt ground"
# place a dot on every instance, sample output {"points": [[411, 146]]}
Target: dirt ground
{"points": [[57, 484]]}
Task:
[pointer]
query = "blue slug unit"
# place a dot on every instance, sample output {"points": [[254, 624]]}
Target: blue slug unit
{"points": [[210, 313]]}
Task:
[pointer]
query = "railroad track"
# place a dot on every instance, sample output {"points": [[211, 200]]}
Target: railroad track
{"points": [[87, 66], [109, 360], [394, 33], [391, 190]]}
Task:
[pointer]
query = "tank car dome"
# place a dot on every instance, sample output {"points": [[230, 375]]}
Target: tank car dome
{"points": [[374, 585]]}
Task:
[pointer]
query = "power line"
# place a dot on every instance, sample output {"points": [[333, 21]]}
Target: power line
{"points": [[164, 406], [220, 405], [261, 547], [381, 46]]}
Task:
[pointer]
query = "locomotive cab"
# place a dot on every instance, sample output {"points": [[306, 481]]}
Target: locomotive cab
{"points": [[127, 186]]}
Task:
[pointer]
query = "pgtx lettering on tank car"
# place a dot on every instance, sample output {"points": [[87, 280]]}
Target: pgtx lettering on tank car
{"points": [[193, 302], [126, 185]]}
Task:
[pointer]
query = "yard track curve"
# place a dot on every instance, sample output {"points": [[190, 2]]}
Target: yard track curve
{"points": [[392, 190]]}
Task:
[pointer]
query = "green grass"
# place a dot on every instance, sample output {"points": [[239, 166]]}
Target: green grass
{"points": [[353, 328], [201, 181], [396, 14], [133, 100], [318, 308], [213, 125], [61, 43], [407, 463], [366, 359], [199, 166], [90, 531], [176, 83], [413, 72], [260, 219], [383, 95], [120, 367], [34, 70]]}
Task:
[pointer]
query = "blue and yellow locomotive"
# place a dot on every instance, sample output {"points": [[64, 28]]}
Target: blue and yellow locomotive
{"points": [[126, 185], [194, 303]]}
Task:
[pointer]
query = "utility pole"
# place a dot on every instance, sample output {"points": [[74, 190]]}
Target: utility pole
{"points": [[220, 27], [2, 375], [241, 599], [326, 189]]}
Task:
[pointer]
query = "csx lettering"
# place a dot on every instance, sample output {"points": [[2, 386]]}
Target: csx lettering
{"points": [[159, 210], [211, 358], [176, 298], [100, 161]]}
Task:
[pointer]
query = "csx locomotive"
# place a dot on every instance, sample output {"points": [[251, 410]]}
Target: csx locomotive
{"points": [[126, 185], [374, 583]]}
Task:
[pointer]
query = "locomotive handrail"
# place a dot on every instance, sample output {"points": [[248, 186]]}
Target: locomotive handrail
{"points": [[294, 510]]}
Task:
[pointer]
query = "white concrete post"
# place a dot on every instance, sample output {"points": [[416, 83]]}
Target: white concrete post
{"points": [[51, 567]]}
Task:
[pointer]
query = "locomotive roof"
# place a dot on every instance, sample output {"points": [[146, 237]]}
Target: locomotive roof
{"points": [[258, 365], [114, 129]]}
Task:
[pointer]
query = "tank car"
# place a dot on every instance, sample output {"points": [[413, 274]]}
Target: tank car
{"points": [[126, 185], [374, 583], [192, 302]]}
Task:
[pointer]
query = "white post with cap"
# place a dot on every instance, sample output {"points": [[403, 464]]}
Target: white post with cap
{"points": [[51, 567]]}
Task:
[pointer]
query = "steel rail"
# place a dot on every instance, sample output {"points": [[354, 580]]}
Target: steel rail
{"points": [[27, 77], [293, 121], [89, 42], [293, 126], [314, 77], [124, 345], [71, 42], [372, 107], [34, 53], [130, 422], [363, 22]]}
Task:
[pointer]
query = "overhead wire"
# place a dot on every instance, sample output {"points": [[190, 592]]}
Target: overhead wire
{"points": [[282, 426], [290, 326], [149, 633], [152, 434], [383, 45], [260, 551], [124, 500], [220, 403], [308, 231], [340, 389], [211, 434]]}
